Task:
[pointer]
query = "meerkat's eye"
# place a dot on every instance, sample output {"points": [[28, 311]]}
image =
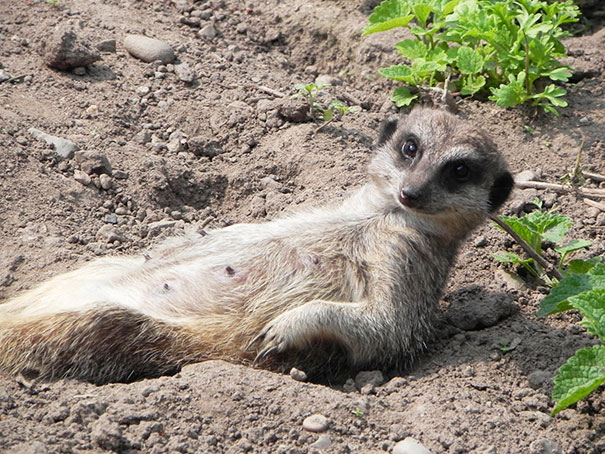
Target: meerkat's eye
{"points": [[409, 149], [461, 172]]}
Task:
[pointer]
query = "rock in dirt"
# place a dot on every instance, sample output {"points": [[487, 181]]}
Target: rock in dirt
{"points": [[93, 163], [545, 446], [410, 446], [107, 435], [108, 45], [316, 423], [108, 233], [148, 49], [369, 377], [472, 309], [204, 146], [82, 177], [298, 375], [184, 72], [66, 50], [64, 148], [323, 442], [207, 31], [295, 110]]}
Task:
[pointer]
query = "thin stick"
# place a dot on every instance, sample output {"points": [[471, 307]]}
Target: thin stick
{"points": [[594, 176], [592, 203], [560, 188], [270, 91], [548, 267]]}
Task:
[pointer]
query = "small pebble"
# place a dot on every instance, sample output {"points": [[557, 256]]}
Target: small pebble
{"points": [[82, 177], [316, 423], [525, 176], [106, 181], [108, 45], [207, 31], [323, 442], [544, 446], [79, 71], [298, 375], [410, 446], [148, 49]]}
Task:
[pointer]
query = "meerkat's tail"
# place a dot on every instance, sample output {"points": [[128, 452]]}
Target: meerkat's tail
{"points": [[100, 345]]}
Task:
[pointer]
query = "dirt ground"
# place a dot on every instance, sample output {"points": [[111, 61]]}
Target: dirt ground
{"points": [[217, 145]]}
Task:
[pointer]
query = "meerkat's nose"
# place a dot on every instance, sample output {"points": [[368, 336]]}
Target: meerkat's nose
{"points": [[407, 197]]}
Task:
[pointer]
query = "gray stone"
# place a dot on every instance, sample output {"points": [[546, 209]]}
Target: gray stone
{"points": [[184, 72], [323, 442], [82, 177], [107, 435], [410, 446], [106, 181], [327, 80], [298, 375], [108, 233], [374, 378], [316, 423], [148, 49], [295, 110], [64, 148], [203, 146], [93, 163], [525, 176], [65, 50], [471, 309], [108, 45], [208, 31], [544, 446], [79, 71]]}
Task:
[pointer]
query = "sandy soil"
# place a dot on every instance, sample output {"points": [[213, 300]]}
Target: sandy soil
{"points": [[224, 149]]}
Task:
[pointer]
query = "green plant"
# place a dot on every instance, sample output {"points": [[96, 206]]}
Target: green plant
{"points": [[335, 109], [310, 93], [53, 2], [357, 412], [582, 289], [506, 49], [534, 229]]}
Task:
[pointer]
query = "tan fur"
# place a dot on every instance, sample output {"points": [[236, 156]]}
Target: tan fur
{"points": [[360, 279]]}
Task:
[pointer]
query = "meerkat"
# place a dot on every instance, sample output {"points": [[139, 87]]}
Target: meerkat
{"points": [[361, 278]]}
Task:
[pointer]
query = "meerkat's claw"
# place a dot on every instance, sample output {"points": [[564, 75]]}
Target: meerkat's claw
{"points": [[268, 351]]}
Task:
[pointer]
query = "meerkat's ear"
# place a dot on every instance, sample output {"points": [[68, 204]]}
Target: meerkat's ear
{"points": [[387, 129], [501, 189]]}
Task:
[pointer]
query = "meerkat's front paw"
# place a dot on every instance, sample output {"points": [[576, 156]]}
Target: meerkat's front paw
{"points": [[281, 334]]}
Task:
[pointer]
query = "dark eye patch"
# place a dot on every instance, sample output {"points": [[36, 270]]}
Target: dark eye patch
{"points": [[460, 172]]}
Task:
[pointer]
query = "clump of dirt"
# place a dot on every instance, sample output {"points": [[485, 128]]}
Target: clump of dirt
{"points": [[207, 141]]}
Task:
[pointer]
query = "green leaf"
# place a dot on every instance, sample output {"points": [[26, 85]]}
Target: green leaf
{"points": [[582, 266], [469, 60], [472, 84], [571, 285], [579, 376], [572, 246], [327, 115], [511, 94], [506, 257], [422, 11], [398, 72], [389, 14], [591, 305], [563, 74], [412, 49], [402, 97]]}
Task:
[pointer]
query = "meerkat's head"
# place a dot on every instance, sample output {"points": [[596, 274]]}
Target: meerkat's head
{"points": [[439, 171]]}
